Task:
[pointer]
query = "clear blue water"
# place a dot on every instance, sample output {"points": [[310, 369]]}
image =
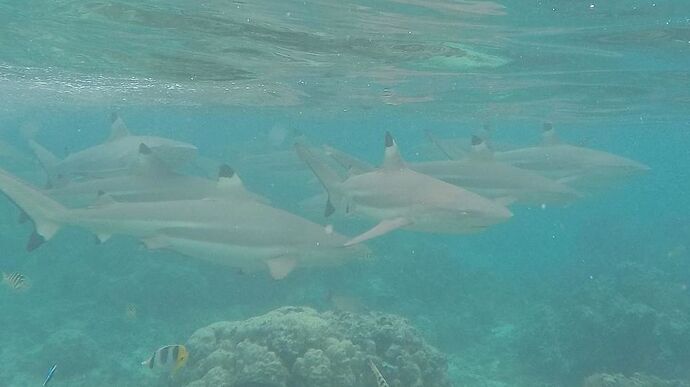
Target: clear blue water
{"points": [[549, 298]]}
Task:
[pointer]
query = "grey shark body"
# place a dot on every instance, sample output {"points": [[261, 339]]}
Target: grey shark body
{"points": [[235, 230], [399, 197]]}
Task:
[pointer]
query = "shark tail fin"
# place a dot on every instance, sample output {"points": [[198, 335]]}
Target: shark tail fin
{"points": [[47, 160], [437, 143], [329, 178], [46, 213], [351, 163]]}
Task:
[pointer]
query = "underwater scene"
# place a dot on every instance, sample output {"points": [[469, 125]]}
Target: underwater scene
{"points": [[354, 193]]}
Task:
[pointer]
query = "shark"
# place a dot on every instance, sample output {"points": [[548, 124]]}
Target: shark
{"points": [[480, 173], [580, 167], [149, 180], [115, 156], [398, 197], [235, 230]]}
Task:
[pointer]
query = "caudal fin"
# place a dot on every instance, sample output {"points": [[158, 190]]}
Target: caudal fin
{"points": [[46, 213], [351, 163], [328, 177]]}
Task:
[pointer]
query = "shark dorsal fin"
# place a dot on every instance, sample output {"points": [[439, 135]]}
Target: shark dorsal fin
{"points": [[148, 164], [480, 149], [103, 199], [118, 129], [229, 181], [548, 135], [391, 157]]}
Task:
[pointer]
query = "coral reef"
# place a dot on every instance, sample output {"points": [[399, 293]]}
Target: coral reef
{"points": [[300, 347], [633, 321]]}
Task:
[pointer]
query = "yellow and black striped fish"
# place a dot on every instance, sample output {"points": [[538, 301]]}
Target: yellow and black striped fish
{"points": [[15, 281], [380, 381], [170, 357]]}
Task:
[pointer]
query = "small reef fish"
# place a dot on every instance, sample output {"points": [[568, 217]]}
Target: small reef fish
{"points": [[170, 357], [380, 381], [50, 374], [15, 281], [131, 312]]}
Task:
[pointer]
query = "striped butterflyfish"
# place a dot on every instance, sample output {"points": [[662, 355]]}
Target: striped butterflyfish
{"points": [[170, 357], [15, 281], [380, 381]]}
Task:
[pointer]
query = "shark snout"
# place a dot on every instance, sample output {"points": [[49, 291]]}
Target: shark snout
{"points": [[500, 213]]}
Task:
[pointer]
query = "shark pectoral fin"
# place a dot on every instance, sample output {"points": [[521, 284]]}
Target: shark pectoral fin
{"points": [[281, 267], [505, 200], [155, 242], [382, 228]]}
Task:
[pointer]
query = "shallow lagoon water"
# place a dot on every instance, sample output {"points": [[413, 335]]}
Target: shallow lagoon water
{"points": [[550, 298]]}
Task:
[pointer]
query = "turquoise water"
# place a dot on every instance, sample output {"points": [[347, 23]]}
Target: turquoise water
{"points": [[548, 298]]}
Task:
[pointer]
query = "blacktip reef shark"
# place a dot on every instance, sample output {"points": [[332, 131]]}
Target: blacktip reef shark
{"points": [[579, 167], [399, 197], [479, 173], [236, 230], [149, 180], [115, 156]]}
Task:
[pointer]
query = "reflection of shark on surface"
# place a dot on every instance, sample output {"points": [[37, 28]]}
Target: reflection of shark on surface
{"points": [[480, 173], [401, 198], [234, 230], [117, 155], [579, 167]]}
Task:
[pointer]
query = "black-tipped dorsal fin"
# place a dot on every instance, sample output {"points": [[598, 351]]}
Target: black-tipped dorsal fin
{"points": [[391, 157], [118, 129], [103, 199], [148, 164], [480, 149], [549, 135], [229, 181]]}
